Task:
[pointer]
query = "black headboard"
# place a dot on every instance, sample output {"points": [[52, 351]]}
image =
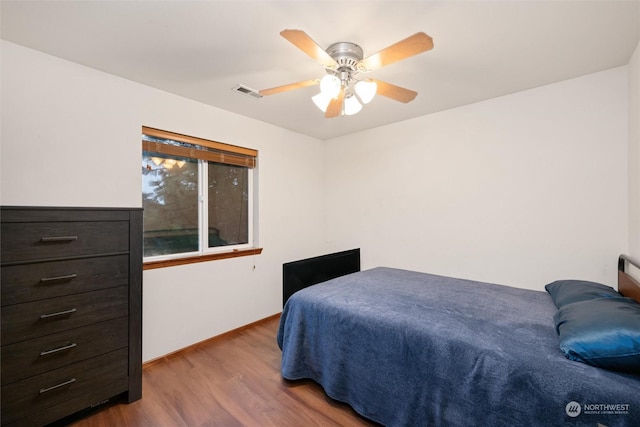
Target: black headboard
{"points": [[298, 275]]}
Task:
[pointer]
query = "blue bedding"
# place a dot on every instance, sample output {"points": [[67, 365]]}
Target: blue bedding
{"points": [[413, 349]]}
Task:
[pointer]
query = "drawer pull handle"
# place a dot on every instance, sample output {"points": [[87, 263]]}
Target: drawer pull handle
{"points": [[57, 349], [58, 239], [59, 313], [57, 278], [53, 387]]}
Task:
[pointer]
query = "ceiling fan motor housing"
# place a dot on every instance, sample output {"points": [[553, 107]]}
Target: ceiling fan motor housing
{"points": [[346, 54]]}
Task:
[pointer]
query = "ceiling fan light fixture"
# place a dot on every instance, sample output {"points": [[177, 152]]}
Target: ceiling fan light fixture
{"points": [[351, 105], [330, 85], [322, 101], [366, 90]]}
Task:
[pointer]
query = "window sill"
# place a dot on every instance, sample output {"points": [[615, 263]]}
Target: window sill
{"points": [[200, 258]]}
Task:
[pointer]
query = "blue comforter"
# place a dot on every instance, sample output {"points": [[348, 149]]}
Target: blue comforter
{"points": [[413, 349]]}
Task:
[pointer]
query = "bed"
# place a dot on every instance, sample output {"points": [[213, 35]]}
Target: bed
{"points": [[413, 349]]}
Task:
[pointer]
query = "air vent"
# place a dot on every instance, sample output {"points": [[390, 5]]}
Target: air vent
{"points": [[247, 91]]}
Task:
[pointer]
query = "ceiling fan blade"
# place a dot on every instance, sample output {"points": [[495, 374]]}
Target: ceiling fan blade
{"points": [[306, 44], [394, 92], [291, 86], [335, 105], [412, 45]]}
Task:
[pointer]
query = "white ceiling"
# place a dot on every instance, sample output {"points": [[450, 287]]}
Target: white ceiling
{"points": [[202, 49]]}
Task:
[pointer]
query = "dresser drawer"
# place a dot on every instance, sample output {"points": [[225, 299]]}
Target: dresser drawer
{"points": [[44, 240], [76, 403], [34, 319], [60, 385], [33, 357], [32, 282]]}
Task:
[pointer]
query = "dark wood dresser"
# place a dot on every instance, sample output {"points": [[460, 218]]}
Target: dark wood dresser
{"points": [[71, 282]]}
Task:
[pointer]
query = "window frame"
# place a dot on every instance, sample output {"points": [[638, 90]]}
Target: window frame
{"points": [[216, 152]]}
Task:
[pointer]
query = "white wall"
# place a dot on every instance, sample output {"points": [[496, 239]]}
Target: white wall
{"points": [[520, 190], [71, 137], [634, 154]]}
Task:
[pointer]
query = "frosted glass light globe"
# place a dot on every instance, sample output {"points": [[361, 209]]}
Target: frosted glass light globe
{"points": [[351, 106], [322, 101], [330, 85], [366, 90]]}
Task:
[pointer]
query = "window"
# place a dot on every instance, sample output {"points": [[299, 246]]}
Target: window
{"points": [[197, 197]]}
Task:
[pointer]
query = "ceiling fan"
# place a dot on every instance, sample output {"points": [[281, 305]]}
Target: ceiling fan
{"points": [[341, 92]]}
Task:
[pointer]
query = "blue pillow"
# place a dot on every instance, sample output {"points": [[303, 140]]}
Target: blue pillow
{"points": [[565, 292], [603, 332]]}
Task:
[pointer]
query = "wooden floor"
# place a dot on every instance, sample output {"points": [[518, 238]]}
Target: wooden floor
{"points": [[233, 380]]}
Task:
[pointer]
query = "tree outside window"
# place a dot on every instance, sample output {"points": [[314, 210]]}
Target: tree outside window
{"points": [[196, 199]]}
